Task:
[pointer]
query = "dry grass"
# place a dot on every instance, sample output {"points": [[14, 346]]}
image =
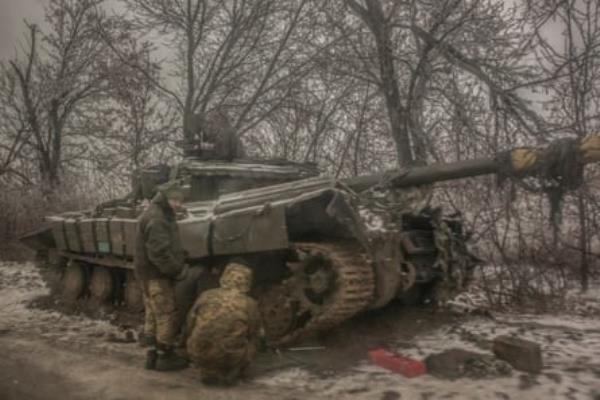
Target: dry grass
{"points": [[526, 265]]}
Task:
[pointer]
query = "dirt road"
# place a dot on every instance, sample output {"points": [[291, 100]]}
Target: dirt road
{"points": [[34, 370], [48, 355]]}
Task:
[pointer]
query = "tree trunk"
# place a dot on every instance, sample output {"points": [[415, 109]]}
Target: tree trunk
{"points": [[583, 244], [397, 113], [188, 112], [398, 116]]}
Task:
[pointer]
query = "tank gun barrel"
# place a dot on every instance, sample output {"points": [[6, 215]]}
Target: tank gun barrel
{"points": [[519, 162]]}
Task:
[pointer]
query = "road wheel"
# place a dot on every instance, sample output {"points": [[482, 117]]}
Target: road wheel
{"points": [[134, 300], [101, 285], [50, 266], [73, 281], [277, 312]]}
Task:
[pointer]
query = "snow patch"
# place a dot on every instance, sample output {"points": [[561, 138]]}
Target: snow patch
{"points": [[20, 284], [570, 348]]}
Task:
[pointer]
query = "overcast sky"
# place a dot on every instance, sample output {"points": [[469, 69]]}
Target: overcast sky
{"points": [[12, 14]]}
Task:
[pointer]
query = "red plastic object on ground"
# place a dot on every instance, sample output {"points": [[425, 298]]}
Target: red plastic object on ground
{"points": [[397, 363]]}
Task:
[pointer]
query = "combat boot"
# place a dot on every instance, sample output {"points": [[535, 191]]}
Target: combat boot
{"points": [[168, 360], [151, 357]]}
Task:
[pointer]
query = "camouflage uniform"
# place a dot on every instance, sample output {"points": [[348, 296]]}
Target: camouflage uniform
{"points": [[159, 261], [224, 328], [160, 312]]}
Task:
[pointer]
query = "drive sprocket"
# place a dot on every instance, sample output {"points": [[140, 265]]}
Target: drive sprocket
{"points": [[330, 284]]}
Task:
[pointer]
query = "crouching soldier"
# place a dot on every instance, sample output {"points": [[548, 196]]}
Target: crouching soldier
{"points": [[159, 262], [224, 328]]}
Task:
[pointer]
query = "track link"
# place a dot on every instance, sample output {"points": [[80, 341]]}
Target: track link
{"points": [[353, 289]]}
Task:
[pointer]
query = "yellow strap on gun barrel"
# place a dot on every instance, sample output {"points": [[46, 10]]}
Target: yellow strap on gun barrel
{"points": [[523, 159], [590, 148]]}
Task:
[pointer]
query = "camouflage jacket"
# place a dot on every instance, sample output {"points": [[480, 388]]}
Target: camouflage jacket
{"points": [[159, 254], [223, 322]]}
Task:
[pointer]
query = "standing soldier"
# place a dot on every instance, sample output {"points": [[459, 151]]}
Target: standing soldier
{"points": [[159, 262], [224, 328]]}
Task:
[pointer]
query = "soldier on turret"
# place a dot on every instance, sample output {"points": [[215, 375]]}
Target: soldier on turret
{"points": [[216, 137]]}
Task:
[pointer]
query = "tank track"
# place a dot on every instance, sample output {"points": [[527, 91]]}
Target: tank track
{"points": [[292, 315], [354, 289]]}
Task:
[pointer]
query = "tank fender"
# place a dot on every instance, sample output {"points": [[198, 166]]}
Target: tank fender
{"points": [[340, 209], [195, 236], [39, 239], [250, 230]]}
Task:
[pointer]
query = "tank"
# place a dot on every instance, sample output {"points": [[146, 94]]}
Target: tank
{"points": [[322, 250]]}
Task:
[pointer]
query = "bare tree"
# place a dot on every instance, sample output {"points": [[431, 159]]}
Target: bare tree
{"points": [[141, 125], [14, 134], [411, 50], [373, 15], [573, 89], [239, 55], [57, 73]]}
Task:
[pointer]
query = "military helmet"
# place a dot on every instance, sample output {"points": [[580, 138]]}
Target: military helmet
{"points": [[236, 276]]}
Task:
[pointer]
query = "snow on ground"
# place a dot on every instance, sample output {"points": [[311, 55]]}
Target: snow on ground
{"points": [[539, 290], [20, 284], [570, 348], [586, 304]]}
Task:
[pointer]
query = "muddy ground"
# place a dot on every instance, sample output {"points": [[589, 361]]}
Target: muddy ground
{"points": [[47, 354]]}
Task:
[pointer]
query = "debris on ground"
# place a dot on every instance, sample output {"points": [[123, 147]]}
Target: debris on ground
{"points": [[459, 307], [307, 348], [127, 337], [523, 355], [397, 363], [391, 395], [459, 363]]}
